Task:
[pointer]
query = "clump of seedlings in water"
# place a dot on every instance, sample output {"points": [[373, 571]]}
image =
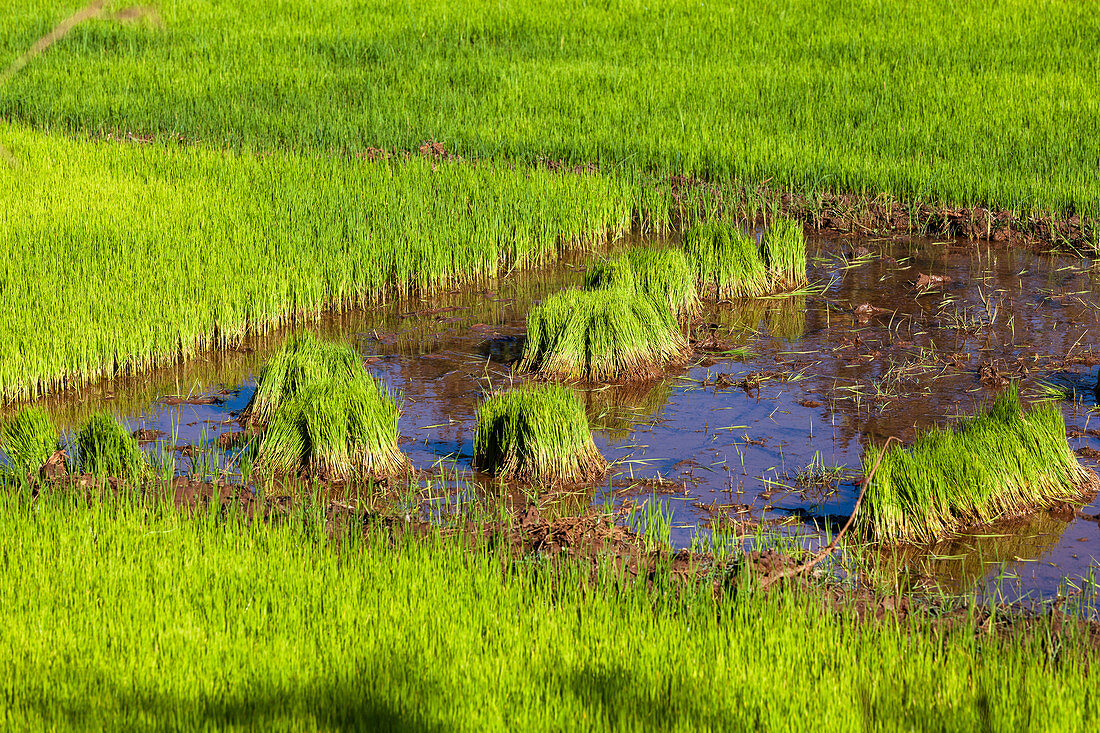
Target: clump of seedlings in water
{"points": [[727, 260], [304, 361], [784, 250], [324, 415], [29, 439], [108, 450], [601, 336], [663, 275], [536, 433], [1004, 461]]}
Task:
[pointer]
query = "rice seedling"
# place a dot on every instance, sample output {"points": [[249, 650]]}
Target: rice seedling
{"points": [[104, 604], [536, 433], [662, 274], [1004, 461], [128, 280], [959, 123], [29, 439], [600, 336], [784, 249], [304, 360], [322, 413], [107, 449], [819, 474], [725, 259]]}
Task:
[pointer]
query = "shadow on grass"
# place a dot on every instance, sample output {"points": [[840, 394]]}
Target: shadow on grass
{"points": [[359, 703], [614, 697]]}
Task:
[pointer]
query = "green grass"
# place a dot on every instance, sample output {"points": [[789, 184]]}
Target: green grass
{"points": [[784, 249], [536, 433], [1002, 462], [662, 274], [29, 439], [319, 411], [600, 336], [726, 259], [304, 360], [128, 617], [107, 449], [963, 103], [121, 257]]}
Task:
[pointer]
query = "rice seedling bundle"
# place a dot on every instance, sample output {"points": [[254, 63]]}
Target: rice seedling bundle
{"points": [[726, 259], [1004, 461], [303, 361], [322, 413], [108, 450], [784, 248], [662, 274], [29, 439], [536, 433], [600, 336]]}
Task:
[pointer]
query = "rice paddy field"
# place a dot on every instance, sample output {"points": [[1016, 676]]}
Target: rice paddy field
{"points": [[995, 106], [249, 625], [525, 365]]}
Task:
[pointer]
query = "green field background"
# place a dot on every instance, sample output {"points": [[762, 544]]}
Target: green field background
{"points": [[967, 102]]}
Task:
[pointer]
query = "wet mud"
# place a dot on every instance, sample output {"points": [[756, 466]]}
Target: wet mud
{"points": [[755, 443]]}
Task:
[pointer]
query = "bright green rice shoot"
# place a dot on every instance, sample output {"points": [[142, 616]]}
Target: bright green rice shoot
{"points": [[662, 274], [328, 416], [126, 616], [304, 360], [108, 450], [29, 439], [121, 258], [536, 433], [784, 248], [1004, 461], [726, 259], [601, 336]]}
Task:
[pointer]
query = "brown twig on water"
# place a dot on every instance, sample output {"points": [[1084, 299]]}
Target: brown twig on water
{"points": [[809, 564]]}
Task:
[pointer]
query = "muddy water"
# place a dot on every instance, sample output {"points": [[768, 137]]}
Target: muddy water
{"points": [[761, 434]]}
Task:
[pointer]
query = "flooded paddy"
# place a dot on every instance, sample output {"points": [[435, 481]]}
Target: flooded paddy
{"points": [[761, 434]]}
